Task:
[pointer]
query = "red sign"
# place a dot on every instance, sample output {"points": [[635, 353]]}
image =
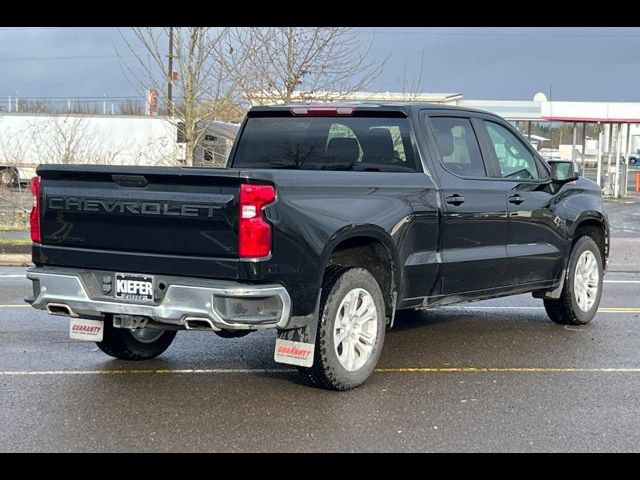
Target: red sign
{"points": [[153, 100]]}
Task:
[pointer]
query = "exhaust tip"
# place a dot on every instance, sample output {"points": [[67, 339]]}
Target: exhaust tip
{"points": [[60, 309], [199, 323]]}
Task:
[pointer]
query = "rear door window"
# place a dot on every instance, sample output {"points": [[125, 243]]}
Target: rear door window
{"points": [[458, 146], [372, 144]]}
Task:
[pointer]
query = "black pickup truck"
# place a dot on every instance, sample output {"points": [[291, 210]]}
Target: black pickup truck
{"points": [[327, 221]]}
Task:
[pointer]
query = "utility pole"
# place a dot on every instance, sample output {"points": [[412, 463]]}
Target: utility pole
{"points": [[616, 186], [584, 143], [599, 166], [170, 77], [573, 146]]}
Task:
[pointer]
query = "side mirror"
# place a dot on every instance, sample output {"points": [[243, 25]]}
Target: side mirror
{"points": [[564, 171]]}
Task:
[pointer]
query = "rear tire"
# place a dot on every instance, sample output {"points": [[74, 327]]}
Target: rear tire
{"points": [[9, 177], [580, 297], [122, 344], [348, 342]]}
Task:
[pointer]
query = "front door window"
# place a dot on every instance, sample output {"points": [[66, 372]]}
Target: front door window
{"points": [[515, 160]]}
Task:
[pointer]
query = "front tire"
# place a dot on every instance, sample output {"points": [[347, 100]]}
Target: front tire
{"points": [[143, 344], [351, 330], [580, 297]]}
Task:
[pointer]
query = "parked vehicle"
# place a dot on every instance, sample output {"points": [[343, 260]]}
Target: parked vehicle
{"points": [[34, 139], [328, 220]]}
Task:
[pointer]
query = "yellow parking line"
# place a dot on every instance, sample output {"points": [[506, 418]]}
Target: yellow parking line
{"points": [[507, 369], [142, 371], [503, 308], [619, 310]]}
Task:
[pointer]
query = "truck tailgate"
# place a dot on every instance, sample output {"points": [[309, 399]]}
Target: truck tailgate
{"points": [[139, 217]]}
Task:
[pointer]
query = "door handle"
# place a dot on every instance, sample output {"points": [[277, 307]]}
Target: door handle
{"points": [[455, 199], [516, 199]]}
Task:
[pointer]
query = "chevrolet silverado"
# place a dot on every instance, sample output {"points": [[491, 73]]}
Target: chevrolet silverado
{"points": [[327, 221]]}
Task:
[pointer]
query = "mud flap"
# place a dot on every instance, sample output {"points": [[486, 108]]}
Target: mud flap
{"points": [[296, 346]]}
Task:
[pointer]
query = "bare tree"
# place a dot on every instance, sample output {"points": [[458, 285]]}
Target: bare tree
{"points": [[411, 86], [34, 106], [63, 139], [130, 107], [203, 90], [281, 64]]}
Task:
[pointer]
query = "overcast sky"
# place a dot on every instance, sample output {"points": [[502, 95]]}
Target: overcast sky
{"points": [[481, 63]]}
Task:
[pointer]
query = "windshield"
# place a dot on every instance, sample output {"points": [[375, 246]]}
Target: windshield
{"points": [[326, 143]]}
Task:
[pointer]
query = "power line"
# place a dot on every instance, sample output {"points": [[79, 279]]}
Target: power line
{"points": [[405, 32], [501, 34], [26, 29], [70, 57], [125, 97], [74, 82]]}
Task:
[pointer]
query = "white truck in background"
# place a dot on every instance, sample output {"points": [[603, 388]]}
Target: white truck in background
{"points": [[28, 140]]}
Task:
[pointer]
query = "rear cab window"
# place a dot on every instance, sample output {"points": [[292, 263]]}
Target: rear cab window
{"points": [[341, 143]]}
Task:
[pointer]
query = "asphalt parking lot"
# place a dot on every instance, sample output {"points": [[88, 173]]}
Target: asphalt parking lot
{"points": [[488, 376]]}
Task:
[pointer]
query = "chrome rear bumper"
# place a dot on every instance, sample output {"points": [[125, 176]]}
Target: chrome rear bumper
{"points": [[77, 293]]}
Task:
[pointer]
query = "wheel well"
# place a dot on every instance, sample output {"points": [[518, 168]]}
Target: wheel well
{"points": [[371, 254], [595, 230]]}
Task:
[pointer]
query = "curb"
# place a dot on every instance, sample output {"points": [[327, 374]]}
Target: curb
{"points": [[15, 260]]}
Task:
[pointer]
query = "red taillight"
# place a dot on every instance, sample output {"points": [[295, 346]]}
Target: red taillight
{"points": [[34, 217], [322, 111], [254, 232]]}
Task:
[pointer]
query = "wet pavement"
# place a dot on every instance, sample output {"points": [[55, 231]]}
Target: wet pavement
{"points": [[624, 217], [486, 376]]}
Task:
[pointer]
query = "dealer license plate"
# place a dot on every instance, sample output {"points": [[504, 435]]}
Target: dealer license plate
{"points": [[134, 287]]}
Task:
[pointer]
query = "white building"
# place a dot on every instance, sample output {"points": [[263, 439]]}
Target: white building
{"points": [[621, 120]]}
